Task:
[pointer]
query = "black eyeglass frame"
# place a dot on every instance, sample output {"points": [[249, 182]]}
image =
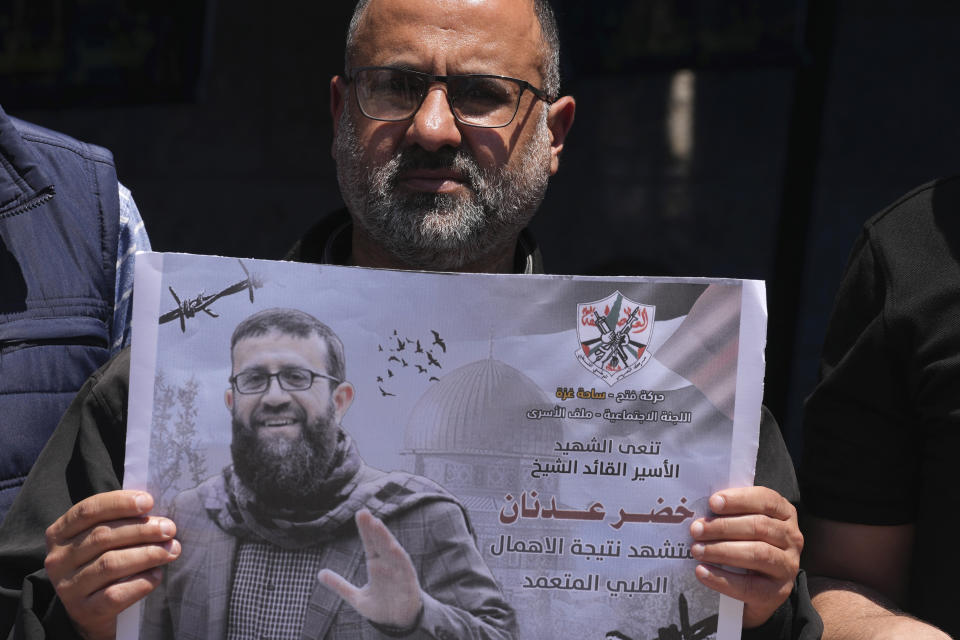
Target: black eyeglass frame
{"points": [[313, 376], [431, 78]]}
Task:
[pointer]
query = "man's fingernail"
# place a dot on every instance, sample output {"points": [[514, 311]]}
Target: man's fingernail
{"points": [[696, 529], [172, 547], [142, 502], [703, 571], [166, 528], [697, 550], [717, 503]]}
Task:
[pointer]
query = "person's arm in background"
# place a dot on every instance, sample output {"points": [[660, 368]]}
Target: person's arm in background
{"points": [[862, 572], [876, 429]]}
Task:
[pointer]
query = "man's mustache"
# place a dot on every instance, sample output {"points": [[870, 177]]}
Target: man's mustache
{"points": [[261, 415], [448, 158]]}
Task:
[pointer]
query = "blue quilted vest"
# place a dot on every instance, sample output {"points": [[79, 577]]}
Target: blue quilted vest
{"points": [[59, 216]]}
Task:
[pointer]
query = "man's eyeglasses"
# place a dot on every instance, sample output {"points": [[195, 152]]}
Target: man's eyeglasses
{"points": [[478, 100], [289, 379]]}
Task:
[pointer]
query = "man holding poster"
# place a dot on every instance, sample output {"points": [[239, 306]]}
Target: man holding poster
{"points": [[448, 125], [299, 500]]}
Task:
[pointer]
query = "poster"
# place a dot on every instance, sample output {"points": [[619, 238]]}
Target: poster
{"points": [[580, 423]]}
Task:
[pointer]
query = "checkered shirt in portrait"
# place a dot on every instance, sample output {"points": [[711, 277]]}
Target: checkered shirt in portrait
{"points": [[271, 589]]}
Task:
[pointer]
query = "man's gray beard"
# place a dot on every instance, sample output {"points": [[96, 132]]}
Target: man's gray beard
{"points": [[282, 472], [437, 230]]}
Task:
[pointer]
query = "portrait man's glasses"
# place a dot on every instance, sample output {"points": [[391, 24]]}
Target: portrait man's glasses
{"points": [[290, 379], [392, 95]]}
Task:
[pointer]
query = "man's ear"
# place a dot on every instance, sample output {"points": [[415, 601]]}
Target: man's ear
{"points": [[228, 398], [559, 121], [342, 399], [339, 94]]}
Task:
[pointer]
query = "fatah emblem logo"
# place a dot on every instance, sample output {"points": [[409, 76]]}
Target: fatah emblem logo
{"points": [[614, 333]]}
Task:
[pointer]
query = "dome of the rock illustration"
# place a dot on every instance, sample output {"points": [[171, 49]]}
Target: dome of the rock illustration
{"points": [[480, 408]]}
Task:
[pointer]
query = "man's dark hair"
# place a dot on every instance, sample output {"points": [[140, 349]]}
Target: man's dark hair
{"points": [[550, 34], [293, 322]]}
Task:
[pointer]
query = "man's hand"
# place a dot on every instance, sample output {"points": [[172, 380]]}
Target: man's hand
{"points": [[392, 593], [756, 529], [104, 554]]}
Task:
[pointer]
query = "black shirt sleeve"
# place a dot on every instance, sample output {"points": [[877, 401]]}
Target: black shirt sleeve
{"points": [[774, 465], [853, 433], [796, 619]]}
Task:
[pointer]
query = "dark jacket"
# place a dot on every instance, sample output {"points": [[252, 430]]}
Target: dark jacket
{"points": [[59, 216]]}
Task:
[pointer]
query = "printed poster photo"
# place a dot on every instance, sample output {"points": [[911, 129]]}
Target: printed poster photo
{"points": [[355, 453]]}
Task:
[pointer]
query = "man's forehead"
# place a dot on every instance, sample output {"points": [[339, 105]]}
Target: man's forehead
{"points": [[279, 346], [451, 36]]}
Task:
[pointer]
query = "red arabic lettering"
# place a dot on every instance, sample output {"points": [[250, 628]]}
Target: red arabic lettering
{"points": [[586, 316], [640, 324]]}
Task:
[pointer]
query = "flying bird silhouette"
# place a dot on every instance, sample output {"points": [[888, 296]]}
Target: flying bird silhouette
{"points": [[389, 373], [379, 378], [433, 360], [434, 378], [421, 369], [419, 349], [438, 340], [394, 358], [385, 393]]}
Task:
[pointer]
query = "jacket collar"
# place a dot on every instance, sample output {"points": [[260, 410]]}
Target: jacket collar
{"points": [[21, 178]]}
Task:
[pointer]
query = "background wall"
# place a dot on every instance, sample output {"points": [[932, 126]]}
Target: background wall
{"points": [[746, 138]]}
